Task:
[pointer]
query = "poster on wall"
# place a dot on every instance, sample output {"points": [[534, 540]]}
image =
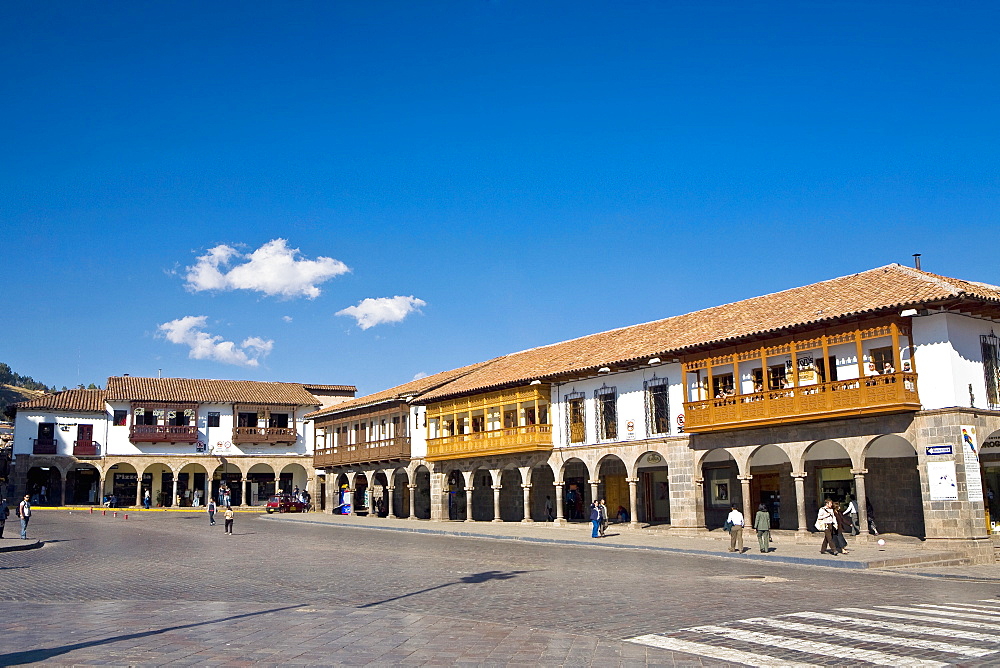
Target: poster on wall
{"points": [[973, 476], [943, 481]]}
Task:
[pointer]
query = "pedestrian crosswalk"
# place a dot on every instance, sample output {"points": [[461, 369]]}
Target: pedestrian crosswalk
{"points": [[923, 634]]}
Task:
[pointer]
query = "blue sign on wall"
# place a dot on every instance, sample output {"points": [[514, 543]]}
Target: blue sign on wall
{"points": [[939, 450]]}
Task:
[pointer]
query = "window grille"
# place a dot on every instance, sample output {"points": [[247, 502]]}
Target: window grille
{"points": [[657, 405], [606, 401], [576, 412], [991, 368]]}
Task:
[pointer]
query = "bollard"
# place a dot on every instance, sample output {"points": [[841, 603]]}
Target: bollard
{"points": [[104, 512], [115, 514], [126, 515], [91, 510]]}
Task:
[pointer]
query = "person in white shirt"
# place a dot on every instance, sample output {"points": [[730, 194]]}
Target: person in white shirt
{"points": [[852, 512], [736, 531], [827, 521]]}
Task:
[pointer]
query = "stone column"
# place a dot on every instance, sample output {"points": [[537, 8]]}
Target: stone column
{"points": [[496, 504], [861, 500], [244, 484], [138, 491], [331, 492], [633, 502], [747, 503], [391, 515], [208, 486], [413, 501], [65, 479], [560, 519], [527, 504], [100, 489], [800, 500], [173, 495], [593, 495], [354, 501]]}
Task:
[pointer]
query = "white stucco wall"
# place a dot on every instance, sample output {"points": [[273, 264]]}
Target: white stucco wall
{"points": [[26, 430], [631, 403], [948, 359]]}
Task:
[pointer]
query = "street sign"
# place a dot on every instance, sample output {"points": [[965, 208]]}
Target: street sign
{"points": [[939, 450]]}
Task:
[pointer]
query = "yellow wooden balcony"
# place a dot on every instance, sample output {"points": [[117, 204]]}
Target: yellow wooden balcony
{"points": [[511, 440], [872, 395]]}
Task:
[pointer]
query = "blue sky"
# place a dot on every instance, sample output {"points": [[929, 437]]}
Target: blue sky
{"points": [[512, 173]]}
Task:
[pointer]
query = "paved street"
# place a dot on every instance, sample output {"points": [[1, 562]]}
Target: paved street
{"points": [[165, 588]]}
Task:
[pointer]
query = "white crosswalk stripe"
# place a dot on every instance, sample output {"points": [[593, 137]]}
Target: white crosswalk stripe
{"points": [[809, 638]]}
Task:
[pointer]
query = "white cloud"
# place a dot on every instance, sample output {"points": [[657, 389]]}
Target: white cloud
{"points": [[418, 375], [189, 331], [286, 318], [274, 269], [376, 311]]}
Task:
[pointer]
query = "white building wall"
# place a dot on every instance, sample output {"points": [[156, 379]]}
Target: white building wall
{"points": [[631, 404], [948, 360], [418, 432], [26, 430]]}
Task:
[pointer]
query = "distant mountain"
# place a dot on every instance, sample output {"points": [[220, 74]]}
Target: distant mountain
{"points": [[11, 394]]}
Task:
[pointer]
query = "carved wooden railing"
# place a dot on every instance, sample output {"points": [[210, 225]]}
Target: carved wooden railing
{"points": [[385, 450], [158, 433], [528, 438], [839, 398]]}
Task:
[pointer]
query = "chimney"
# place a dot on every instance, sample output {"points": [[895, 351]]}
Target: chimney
{"points": [[916, 261]]}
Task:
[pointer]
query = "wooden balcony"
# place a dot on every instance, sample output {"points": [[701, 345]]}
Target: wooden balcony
{"points": [[529, 438], [264, 435], [44, 446], [158, 433], [371, 452], [872, 395], [85, 449]]}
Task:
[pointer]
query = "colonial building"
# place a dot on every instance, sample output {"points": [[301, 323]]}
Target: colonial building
{"points": [[372, 450], [180, 439], [883, 385]]}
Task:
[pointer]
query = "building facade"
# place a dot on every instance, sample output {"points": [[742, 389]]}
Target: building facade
{"points": [[883, 386], [179, 439]]}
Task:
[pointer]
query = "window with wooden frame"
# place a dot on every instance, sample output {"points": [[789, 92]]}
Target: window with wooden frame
{"points": [[777, 377], [576, 414], [278, 421], [657, 406], [722, 385], [822, 366], [213, 419], [121, 416], [606, 402]]}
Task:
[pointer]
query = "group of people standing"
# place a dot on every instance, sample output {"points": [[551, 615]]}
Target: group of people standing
{"points": [[598, 518], [833, 520]]}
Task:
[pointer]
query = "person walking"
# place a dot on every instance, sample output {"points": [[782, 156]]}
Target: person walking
{"points": [[736, 529], [229, 520], [762, 525], [852, 513], [548, 508], [146, 499], [826, 522], [843, 526], [595, 519], [4, 514], [24, 512], [604, 517], [211, 512]]}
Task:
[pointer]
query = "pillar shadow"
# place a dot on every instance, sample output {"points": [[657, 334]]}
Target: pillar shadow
{"points": [[41, 655], [475, 578]]}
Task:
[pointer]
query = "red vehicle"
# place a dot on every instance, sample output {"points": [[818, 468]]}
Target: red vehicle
{"points": [[285, 504]]}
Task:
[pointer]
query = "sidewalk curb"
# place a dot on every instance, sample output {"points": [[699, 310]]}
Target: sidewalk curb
{"points": [[19, 547], [764, 559]]}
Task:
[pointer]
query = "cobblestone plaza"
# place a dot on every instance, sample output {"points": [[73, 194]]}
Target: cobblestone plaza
{"points": [[167, 588]]}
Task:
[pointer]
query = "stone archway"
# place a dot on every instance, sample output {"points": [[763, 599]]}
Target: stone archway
{"points": [[652, 489], [773, 486], [82, 484], [400, 493], [292, 476], [576, 496], [893, 498], [227, 479], [44, 485], [193, 485], [511, 495], [481, 495], [828, 467], [421, 503], [457, 504], [262, 483], [722, 487], [543, 493], [379, 495], [121, 484]]}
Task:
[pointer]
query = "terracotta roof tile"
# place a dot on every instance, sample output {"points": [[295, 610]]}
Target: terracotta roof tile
{"points": [[76, 401], [400, 392], [884, 289], [131, 388]]}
